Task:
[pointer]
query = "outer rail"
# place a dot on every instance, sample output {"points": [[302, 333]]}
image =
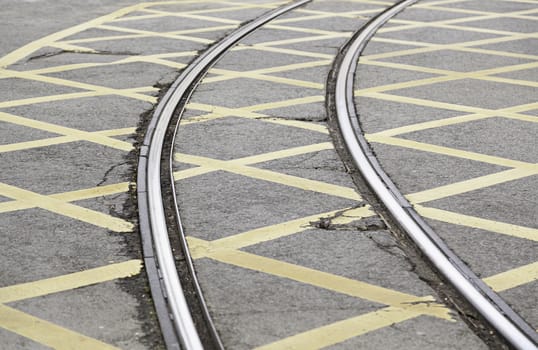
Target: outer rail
{"points": [[507, 322], [172, 309]]}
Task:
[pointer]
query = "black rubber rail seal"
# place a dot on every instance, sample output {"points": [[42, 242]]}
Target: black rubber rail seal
{"points": [[170, 304], [486, 302]]}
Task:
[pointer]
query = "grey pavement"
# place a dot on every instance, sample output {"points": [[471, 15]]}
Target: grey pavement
{"points": [[288, 252]]}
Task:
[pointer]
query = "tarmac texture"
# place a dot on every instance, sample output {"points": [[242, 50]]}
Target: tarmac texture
{"points": [[288, 253], [456, 130]]}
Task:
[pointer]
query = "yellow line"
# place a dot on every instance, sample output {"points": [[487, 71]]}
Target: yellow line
{"points": [[513, 278], [273, 232], [304, 39], [66, 209], [285, 103], [265, 157], [117, 132], [76, 85], [271, 176], [71, 196], [35, 45], [47, 333], [340, 331], [447, 75], [94, 192], [483, 224], [156, 34], [290, 152], [72, 133], [271, 78], [195, 16], [221, 112], [71, 47], [283, 50], [70, 96], [510, 112], [424, 102], [428, 47], [470, 185], [36, 143], [26, 50], [49, 98], [426, 147], [423, 305], [447, 122], [70, 281]]}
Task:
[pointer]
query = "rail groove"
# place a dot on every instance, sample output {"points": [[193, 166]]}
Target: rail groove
{"points": [[173, 312], [495, 310]]}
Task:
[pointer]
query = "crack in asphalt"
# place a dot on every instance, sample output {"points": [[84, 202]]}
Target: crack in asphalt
{"points": [[61, 52]]}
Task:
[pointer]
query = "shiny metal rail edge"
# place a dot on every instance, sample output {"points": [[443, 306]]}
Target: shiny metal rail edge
{"points": [[507, 322], [172, 309]]}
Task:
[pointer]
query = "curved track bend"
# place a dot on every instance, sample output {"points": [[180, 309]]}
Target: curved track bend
{"points": [[173, 311], [507, 322]]}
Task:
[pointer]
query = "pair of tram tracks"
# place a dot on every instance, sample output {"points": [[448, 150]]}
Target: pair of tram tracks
{"points": [[155, 174]]}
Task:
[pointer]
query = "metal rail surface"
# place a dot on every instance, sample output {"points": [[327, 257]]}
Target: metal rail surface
{"points": [[507, 322], [172, 309]]}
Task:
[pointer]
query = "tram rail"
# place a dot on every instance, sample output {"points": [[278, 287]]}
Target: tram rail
{"points": [[173, 311], [488, 304]]}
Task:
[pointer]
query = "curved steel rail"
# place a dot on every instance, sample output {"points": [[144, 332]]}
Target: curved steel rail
{"points": [[507, 322], [172, 309]]}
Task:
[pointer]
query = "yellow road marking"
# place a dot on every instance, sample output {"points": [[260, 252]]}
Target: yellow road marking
{"points": [[328, 281], [72, 48], [194, 16], [66, 209], [143, 34], [71, 196], [218, 112], [271, 176], [483, 224], [273, 232], [47, 333], [70, 281], [428, 47], [303, 39], [346, 329], [73, 134], [426, 147], [470, 185], [76, 85], [340, 331], [283, 50], [513, 278], [456, 24], [449, 121], [36, 143], [285, 153], [70, 96], [105, 190], [24, 51], [156, 34], [447, 75]]}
